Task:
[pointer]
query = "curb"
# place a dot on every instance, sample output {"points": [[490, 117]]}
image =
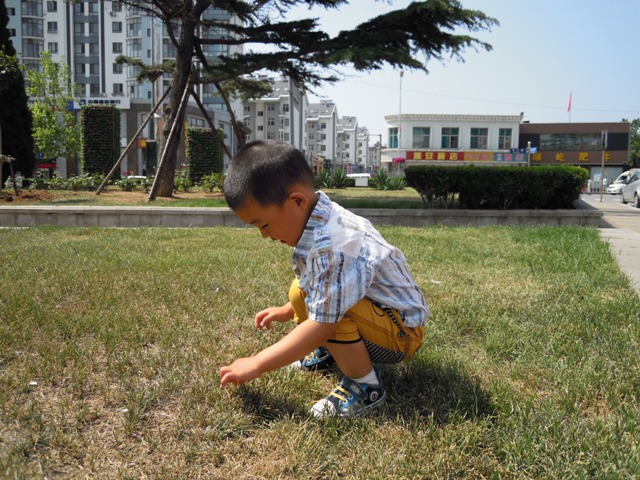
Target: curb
{"points": [[176, 217]]}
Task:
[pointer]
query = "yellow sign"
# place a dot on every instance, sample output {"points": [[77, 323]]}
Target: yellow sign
{"points": [[584, 156], [560, 157]]}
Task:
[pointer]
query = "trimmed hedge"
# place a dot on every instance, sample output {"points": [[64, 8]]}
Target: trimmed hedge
{"points": [[498, 188], [205, 155], [100, 138]]}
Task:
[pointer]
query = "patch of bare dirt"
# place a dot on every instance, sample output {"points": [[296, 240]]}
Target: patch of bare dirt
{"points": [[111, 195]]}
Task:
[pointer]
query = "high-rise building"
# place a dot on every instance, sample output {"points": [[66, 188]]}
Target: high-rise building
{"points": [[278, 116], [88, 36]]}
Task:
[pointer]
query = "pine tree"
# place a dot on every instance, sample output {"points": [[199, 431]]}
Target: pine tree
{"points": [[15, 117], [404, 38]]}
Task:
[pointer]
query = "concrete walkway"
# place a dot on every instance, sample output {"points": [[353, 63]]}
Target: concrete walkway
{"points": [[620, 228]]}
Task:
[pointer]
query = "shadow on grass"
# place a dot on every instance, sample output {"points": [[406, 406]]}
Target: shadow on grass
{"points": [[424, 390]]}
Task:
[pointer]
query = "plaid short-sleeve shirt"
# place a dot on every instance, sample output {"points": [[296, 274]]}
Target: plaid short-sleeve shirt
{"points": [[341, 259]]}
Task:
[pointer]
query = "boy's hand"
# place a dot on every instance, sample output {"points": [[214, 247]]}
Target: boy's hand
{"points": [[240, 371], [264, 318]]}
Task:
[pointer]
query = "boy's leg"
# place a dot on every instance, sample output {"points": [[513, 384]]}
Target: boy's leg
{"points": [[320, 360]]}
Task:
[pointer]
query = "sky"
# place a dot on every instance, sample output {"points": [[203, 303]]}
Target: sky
{"points": [[544, 52]]}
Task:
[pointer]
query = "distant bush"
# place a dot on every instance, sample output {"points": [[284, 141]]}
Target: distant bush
{"points": [[501, 188], [87, 182]]}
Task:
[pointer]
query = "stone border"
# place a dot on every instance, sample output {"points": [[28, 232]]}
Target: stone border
{"points": [[177, 217]]}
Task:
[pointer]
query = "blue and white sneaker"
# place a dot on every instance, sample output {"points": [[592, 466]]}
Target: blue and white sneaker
{"points": [[350, 398], [320, 360]]}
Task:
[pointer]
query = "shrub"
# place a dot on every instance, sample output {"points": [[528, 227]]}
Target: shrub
{"points": [[212, 181], [323, 179], [183, 181], [396, 183], [379, 180], [100, 138], [506, 187], [340, 180], [204, 153]]}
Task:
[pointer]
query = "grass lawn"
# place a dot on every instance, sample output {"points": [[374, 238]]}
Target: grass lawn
{"points": [[111, 340], [114, 196]]}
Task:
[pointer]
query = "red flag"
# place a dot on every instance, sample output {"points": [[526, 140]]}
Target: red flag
{"points": [[569, 106]]}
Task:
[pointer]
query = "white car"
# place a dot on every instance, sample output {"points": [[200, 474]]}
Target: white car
{"points": [[615, 188], [631, 191]]}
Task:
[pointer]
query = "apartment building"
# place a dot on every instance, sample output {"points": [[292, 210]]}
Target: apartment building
{"points": [[278, 116], [322, 126], [88, 36], [347, 143]]}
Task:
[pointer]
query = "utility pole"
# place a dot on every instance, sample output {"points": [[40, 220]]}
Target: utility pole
{"points": [[605, 139]]}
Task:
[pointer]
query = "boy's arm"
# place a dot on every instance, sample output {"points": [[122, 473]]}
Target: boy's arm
{"points": [[300, 341]]}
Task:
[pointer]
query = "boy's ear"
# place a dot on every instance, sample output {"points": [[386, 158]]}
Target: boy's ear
{"points": [[299, 198]]}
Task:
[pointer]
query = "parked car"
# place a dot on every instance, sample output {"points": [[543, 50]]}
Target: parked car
{"points": [[616, 186], [631, 191]]}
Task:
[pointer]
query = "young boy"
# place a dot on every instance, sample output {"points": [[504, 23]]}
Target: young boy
{"points": [[353, 298]]}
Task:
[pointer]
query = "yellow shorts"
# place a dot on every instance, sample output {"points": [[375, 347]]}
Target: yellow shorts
{"points": [[382, 330]]}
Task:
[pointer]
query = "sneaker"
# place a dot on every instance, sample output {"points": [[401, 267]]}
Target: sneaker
{"points": [[320, 360], [350, 398]]}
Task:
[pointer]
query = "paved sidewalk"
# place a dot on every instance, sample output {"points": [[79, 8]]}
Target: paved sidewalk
{"points": [[620, 228]]}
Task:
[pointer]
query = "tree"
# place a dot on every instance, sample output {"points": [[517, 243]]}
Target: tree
{"points": [[298, 49], [55, 129], [634, 143], [15, 117]]}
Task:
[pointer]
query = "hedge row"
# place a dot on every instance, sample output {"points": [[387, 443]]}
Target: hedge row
{"points": [[205, 155], [498, 188], [100, 138]]}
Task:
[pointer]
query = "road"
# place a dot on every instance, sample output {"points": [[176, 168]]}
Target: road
{"points": [[620, 228]]}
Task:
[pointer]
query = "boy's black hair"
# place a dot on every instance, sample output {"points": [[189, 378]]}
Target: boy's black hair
{"points": [[265, 171]]}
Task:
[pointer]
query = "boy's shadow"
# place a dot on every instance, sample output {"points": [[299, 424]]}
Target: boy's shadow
{"points": [[423, 390]]}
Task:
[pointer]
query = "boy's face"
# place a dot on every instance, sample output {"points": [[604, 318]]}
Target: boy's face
{"points": [[283, 223]]}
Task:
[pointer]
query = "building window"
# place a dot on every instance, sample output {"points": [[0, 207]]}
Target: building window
{"points": [[52, 27], [32, 8], [93, 29], [421, 137], [94, 90], [118, 89], [393, 137], [479, 138], [116, 6], [260, 113], [117, 47], [116, 27], [52, 6], [78, 28], [32, 47], [134, 47], [11, 11], [12, 32], [94, 70], [32, 27], [168, 49], [78, 7], [450, 137], [271, 107], [94, 49], [80, 69], [78, 48], [271, 121], [504, 139], [134, 27], [52, 47], [285, 107], [118, 68]]}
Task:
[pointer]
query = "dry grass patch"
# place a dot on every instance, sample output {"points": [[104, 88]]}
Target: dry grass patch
{"points": [[529, 368]]}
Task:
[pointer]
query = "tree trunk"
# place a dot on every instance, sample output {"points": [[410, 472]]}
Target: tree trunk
{"points": [[166, 170]]}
